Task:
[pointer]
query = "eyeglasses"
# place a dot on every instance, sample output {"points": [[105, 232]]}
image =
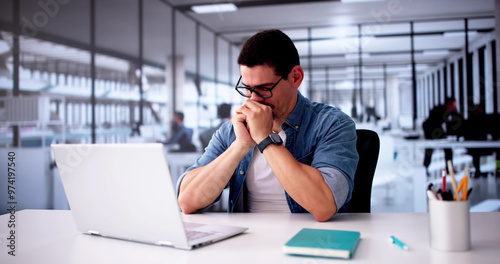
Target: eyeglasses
{"points": [[263, 92]]}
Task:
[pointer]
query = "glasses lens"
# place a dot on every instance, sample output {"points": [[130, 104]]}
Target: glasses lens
{"points": [[263, 92], [260, 91], [244, 91]]}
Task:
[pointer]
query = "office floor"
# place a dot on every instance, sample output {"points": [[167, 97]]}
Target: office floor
{"points": [[393, 184]]}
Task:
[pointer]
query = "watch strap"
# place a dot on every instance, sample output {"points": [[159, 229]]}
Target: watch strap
{"points": [[273, 138], [264, 143]]}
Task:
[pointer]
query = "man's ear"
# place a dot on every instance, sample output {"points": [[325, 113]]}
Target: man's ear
{"points": [[297, 75]]}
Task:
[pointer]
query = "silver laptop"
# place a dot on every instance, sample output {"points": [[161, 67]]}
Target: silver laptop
{"points": [[125, 191]]}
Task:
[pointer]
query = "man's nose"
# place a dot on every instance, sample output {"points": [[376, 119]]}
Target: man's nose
{"points": [[255, 97]]}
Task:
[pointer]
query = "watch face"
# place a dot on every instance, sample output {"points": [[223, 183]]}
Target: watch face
{"points": [[275, 138]]}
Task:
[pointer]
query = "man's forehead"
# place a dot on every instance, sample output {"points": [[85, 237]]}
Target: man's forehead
{"points": [[258, 75], [256, 84]]}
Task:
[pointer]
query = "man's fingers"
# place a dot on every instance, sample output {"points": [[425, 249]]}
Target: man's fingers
{"points": [[253, 109]]}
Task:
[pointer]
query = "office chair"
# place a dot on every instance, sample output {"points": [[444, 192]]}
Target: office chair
{"points": [[368, 146]]}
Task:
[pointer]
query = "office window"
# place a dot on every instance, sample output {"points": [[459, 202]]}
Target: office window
{"points": [[157, 48], [427, 103], [6, 63], [429, 93], [434, 89], [419, 103], [439, 88]]}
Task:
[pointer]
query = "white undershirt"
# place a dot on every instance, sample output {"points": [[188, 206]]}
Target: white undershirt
{"points": [[265, 193]]}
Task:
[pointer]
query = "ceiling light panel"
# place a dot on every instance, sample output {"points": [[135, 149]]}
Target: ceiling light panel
{"points": [[215, 8]]}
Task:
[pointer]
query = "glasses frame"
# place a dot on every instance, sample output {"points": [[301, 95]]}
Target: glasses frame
{"points": [[253, 89]]}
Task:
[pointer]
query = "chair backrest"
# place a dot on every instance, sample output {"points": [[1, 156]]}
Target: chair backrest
{"points": [[206, 136], [368, 146]]}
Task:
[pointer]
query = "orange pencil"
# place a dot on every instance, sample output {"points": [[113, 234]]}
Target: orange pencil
{"points": [[462, 187], [465, 187]]}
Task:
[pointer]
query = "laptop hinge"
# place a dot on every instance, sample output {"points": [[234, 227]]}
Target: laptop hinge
{"points": [[95, 233]]}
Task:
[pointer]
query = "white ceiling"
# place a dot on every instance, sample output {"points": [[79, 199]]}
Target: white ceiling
{"points": [[321, 13], [335, 25]]}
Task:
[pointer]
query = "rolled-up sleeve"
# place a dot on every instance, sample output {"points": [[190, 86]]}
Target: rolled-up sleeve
{"points": [[338, 185], [337, 159]]}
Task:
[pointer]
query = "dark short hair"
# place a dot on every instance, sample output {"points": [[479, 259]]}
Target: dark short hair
{"points": [[270, 47], [180, 115]]}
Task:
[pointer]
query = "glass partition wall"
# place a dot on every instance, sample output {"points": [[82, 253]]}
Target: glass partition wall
{"points": [[105, 74], [112, 71]]}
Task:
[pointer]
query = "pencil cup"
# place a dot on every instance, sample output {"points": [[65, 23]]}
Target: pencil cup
{"points": [[449, 225]]}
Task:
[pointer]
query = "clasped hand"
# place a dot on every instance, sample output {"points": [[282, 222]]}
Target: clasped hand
{"points": [[252, 123]]}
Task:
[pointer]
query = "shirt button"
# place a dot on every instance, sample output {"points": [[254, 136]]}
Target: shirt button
{"points": [[242, 172]]}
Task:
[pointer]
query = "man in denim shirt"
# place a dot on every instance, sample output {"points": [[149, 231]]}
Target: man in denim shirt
{"points": [[280, 152]]}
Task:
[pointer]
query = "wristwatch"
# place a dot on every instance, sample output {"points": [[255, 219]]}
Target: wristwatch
{"points": [[273, 138]]}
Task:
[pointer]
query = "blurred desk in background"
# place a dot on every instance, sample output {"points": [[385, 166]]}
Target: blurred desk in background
{"points": [[445, 143]]}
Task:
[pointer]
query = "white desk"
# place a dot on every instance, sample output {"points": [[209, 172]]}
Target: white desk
{"points": [[444, 143], [422, 144], [51, 237]]}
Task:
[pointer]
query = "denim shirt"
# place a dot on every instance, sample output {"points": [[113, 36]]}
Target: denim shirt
{"points": [[317, 134]]}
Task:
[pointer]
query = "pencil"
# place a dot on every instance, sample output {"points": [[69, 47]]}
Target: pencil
{"points": [[465, 187], [452, 176], [462, 188]]}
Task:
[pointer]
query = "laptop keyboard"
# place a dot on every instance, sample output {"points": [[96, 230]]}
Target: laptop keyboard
{"points": [[193, 234]]}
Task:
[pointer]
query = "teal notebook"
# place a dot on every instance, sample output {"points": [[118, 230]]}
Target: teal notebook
{"points": [[323, 243]]}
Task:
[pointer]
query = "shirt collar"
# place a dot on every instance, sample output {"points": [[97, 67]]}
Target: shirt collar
{"points": [[294, 120]]}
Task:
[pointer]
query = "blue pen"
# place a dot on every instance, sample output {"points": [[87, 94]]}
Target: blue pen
{"points": [[398, 243]]}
